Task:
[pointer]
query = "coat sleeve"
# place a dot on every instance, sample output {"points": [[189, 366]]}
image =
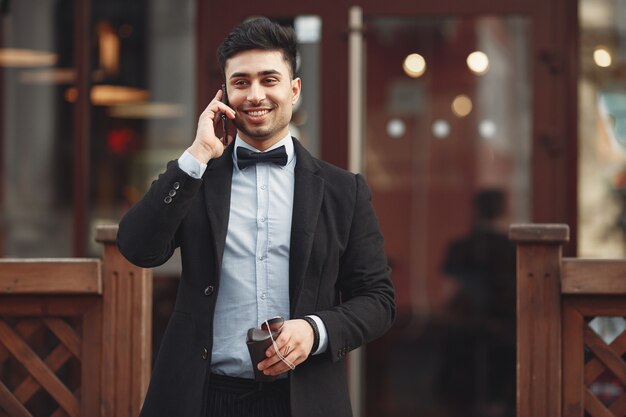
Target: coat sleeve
{"points": [[147, 232], [367, 307]]}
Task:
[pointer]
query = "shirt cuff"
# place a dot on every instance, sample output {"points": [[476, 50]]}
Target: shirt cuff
{"points": [[188, 163], [321, 348]]}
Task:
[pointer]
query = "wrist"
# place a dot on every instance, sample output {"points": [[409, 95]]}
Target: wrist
{"points": [[202, 153], [316, 333]]}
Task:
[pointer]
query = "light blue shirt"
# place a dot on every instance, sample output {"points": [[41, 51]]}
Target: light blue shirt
{"points": [[254, 282]]}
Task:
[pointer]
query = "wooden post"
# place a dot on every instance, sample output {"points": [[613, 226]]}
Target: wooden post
{"points": [[539, 357], [126, 330]]}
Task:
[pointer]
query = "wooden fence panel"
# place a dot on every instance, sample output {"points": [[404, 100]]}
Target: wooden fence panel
{"points": [[571, 329], [75, 335]]}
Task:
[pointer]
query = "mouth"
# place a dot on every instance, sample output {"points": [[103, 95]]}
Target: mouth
{"points": [[257, 113]]}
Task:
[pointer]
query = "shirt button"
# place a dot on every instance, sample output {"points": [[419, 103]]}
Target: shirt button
{"points": [[263, 187], [263, 296], [209, 290], [167, 200], [261, 258], [176, 185], [172, 193], [263, 219]]}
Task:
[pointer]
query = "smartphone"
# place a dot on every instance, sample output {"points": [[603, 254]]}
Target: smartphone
{"points": [[224, 117]]}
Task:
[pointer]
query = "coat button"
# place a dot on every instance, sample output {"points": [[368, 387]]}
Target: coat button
{"points": [[172, 193], [167, 200], [209, 290], [205, 353], [176, 185]]}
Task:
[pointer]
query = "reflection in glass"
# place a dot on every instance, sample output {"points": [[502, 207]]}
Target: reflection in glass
{"points": [[396, 128], [441, 129], [462, 105], [478, 62], [414, 65], [305, 122], [36, 56], [602, 57], [602, 130], [142, 100], [444, 206]]}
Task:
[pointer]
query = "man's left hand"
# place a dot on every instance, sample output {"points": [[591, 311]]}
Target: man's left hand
{"points": [[294, 343]]}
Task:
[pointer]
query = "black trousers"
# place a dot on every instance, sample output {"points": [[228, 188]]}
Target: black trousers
{"points": [[239, 397]]}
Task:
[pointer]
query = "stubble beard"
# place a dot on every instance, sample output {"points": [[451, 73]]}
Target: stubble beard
{"points": [[260, 133]]}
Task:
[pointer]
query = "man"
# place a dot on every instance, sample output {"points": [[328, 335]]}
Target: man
{"points": [[291, 236]]}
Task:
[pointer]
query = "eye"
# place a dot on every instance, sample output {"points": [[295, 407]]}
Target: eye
{"points": [[271, 80], [240, 83]]}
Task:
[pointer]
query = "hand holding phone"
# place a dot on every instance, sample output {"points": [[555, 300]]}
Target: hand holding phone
{"points": [[208, 143]]}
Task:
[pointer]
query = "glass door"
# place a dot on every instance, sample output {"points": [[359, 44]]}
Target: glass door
{"points": [[447, 133]]}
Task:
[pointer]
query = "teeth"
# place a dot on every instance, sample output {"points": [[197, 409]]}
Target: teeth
{"points": [[258, 113]]}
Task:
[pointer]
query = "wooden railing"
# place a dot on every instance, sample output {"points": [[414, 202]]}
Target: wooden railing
{"points": [[75, 335], [567, 365]]}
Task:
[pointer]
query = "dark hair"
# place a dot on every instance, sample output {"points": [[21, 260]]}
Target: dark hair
{"points": [[489, 203], [260, 33]]}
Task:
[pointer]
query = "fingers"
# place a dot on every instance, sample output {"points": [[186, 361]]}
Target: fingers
{"points": [[294, 344], [216, 107], [275, 365], [207, 145]]}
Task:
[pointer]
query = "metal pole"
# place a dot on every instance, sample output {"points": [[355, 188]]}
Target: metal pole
{"points": [[355, 164]]}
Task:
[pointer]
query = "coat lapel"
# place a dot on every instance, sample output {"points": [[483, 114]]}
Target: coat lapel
{"points": [[307, 202], [217, 185]]}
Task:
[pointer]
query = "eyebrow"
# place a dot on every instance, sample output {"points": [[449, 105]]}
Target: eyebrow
{"points": [[261, 73]]}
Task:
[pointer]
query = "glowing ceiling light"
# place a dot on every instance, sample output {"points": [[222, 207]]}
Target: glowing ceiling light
{"points": [[396, 128], [414, 65], [110, 95], [15, 57], [478, 62], [487, 129], [602, 57], [440, 129], [462, 105]]}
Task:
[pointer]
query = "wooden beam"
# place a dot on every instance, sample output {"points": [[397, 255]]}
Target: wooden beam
{"points": [[539, 354], [48, 276], [593, 276], [548, 233]]}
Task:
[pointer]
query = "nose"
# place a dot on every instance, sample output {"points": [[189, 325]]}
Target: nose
{"points": [[256, 94]]}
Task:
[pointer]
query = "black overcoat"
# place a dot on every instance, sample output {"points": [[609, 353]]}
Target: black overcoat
{"points": [[337, 270]]}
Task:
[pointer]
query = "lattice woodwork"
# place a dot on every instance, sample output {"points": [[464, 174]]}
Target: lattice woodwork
{"points": [[564, 368], [605, 367], [600, 390], [40, 361], [74, 335]]}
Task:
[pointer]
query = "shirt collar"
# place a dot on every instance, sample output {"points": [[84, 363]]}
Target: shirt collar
{"points": [[287, 141]]}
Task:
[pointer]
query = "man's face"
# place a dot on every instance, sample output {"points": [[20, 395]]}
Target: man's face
{"points": [[261, 91]]}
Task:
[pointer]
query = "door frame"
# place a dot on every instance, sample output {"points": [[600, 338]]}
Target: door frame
{"points": [[554, 55]]}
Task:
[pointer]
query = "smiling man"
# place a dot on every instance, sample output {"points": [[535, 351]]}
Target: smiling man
{"points": [[265, 230], [263, 91]]}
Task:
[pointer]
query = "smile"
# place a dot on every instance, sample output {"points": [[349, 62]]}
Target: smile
{"points": [[257, 113]]}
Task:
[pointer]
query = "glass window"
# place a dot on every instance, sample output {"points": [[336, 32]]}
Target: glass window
{"points": [[141, 114], [447, 155], [143, 99], [602, 129], [36, 66], [305, 121]]}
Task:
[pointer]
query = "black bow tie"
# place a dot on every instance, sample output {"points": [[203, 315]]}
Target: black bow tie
{"points": [[246, 157]]}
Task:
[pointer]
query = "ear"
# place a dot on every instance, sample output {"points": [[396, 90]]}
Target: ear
{"points": [[296, 86]]}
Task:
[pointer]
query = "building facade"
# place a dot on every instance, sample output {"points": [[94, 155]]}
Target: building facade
{"points": [[463, 116]]}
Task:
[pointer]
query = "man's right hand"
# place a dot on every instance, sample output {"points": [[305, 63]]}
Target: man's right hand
{"points": [[207, 145]]}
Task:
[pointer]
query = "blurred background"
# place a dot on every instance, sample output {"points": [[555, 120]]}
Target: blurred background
{"points": [[464, 117]]}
